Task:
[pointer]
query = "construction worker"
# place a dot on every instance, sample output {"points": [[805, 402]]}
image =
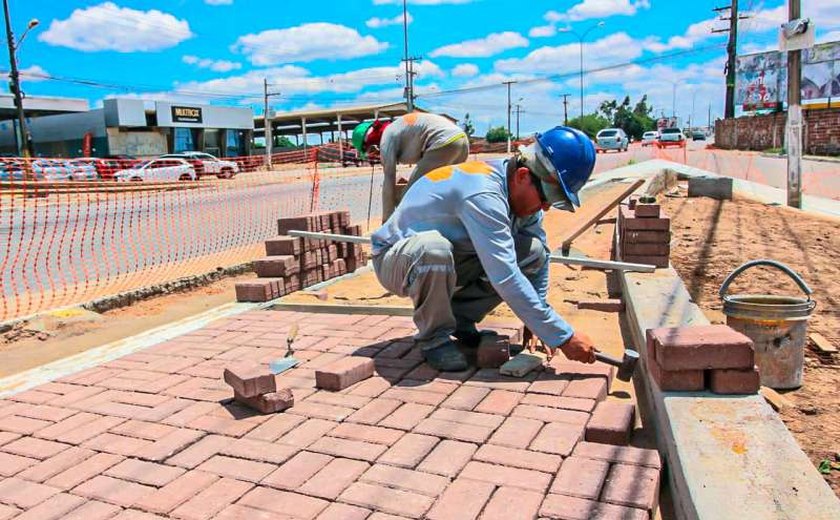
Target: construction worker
{"points": [[428, 141], [469, 236]]}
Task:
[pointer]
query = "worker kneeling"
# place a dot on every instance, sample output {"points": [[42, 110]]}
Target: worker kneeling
{"points": [[469, 236]]}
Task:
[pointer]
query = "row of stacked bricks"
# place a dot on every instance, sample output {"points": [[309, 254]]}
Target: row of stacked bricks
{"points": [[295, 263], [688, 359], [644, 234]]}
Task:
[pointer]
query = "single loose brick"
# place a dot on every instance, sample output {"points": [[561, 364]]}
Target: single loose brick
{"points": [[735, 381], [701, 347], [558, 438], [513, 504], [629, 221], [271, 402], [463, 500], [611, 423], [610, 305], [344, 373], [633, 486], [250, 379], [580, 477], [493, 351], [276, 266], [647, 210], [255, 291], [395, 501], [283, 245], [447, 459], [574, 508], [299, 223]]}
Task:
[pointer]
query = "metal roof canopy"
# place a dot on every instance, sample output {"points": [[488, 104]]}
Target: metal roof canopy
{"points": [[326, 120], [35, 106]]}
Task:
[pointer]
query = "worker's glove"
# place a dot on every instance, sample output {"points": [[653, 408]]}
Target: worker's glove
{"points": [[579, 348]]}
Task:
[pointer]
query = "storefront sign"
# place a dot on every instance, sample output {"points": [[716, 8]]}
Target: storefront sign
{"points": [[186, 114]]}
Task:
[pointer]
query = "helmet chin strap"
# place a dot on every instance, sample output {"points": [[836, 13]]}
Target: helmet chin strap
{"points": [[530, 158]]}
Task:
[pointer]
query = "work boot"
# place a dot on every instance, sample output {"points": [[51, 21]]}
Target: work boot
{"points": [[446, 358]]}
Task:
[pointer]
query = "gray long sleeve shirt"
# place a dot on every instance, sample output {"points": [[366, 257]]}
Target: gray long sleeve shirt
{"points": [[406, 139]]}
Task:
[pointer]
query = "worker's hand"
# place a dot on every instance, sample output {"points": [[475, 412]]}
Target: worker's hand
{"points": [[579, 348]]}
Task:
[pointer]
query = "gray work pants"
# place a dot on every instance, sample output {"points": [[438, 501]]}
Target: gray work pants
{"points": [[449, 289]]}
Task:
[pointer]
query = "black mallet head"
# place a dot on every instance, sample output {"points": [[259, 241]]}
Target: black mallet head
{"points": [[626, 366]]}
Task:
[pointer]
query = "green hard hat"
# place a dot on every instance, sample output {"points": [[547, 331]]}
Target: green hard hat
{"points": [[359, 134]]}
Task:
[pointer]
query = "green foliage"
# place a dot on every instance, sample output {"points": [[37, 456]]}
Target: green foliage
{"points": [[283, 142], [469, 128], [635, 120], [497, 134], [590, 124]]}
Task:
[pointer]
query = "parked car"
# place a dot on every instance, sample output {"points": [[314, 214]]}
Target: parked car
{"points": [[698, 135], [612, 139], [52, 170], [82, 170], [105, 168], [12, 169], [671, 137], [170, 169], [649, 138], [206, 164]]}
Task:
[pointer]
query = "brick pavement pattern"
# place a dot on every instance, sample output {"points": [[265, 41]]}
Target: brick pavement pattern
{"points": [[157, 434]]}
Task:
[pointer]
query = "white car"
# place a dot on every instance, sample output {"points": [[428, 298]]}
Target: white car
{"points": [[649, 138], [206, 164], [52, 170], [612, 139], [158, 170], [671, 137]]}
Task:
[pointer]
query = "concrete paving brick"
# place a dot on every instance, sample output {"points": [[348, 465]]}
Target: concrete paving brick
{"points": [[701, 347], [579, 477], [590, 388], [506, 476], [619, 454], [361, 432], [343, 373], [275, 427], [556, 401], [634, 486], [463, 500], [113, 491], [297, 470], [734, 381], [268, 403], [407, 416], [143, 430], [338, 399], [54, 508], [176, 492], [11, 465], [573, 370], [238, 512], [558, 438], [23, 494], [321, 411], [71, 432], [200, 451], [89, 468], [409, 450], [284, 503], [606, 305], [611, 423], [454, 430], [465, 417], [133, 514], [168, 445], [375, 411], [447, 459], [516, 458], [8, 512], [334, 478], [516, 432], [93, 510], [563, 507], [307, 433], [46, 469], [142, 472], [499, 402], [676, 381], [45, 412], [406, 480], [416, 395], [350, 449], [372, 387], [549, 384], [629, 221], [259, 451], [22, 425], [338, 511], [240, 469], [423, 373], [404, 503], [465, 397], [510, 503], [212, 499], [116, 444], [283, 245], [7, 437], [546, 414]]}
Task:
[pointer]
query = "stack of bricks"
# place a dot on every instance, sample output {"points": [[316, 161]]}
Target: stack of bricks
{"points": [[644, 233], [293, 263], [691, 359], [255, 387]]}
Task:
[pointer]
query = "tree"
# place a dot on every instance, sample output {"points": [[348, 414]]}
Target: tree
{"points": [[283, 142], [590, 124], [469, 128], [498, 134]]}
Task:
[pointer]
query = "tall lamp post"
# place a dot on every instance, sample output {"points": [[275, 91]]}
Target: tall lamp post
{"points": [[581, 37], [25, 147]]}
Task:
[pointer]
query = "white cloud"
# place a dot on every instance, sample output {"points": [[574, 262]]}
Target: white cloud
{"points": [[214, 65], [543, 31], [108, 27], [829, 37], [465, 70], [612, 49], [307, 42], [421, 2], [376, 23], [33, 73], [588, 9], [218, 2], [482, 47]]}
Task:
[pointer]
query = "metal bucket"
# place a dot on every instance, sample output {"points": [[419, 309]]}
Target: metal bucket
{"points": [[778, 326]]}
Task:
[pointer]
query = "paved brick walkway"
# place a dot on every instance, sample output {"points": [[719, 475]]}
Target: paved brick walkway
{"points": [[155, 435]]}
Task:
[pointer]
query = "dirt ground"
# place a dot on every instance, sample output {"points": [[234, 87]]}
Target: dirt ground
{"points": [[711, 238]]}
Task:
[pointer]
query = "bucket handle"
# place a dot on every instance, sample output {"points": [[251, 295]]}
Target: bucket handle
{"points": [[771, 263]]}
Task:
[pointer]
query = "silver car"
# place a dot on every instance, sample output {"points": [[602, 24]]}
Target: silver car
{"points": [[612, 139], [158, 170]]}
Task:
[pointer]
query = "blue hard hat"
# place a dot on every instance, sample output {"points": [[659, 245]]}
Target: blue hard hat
{"points": [[572, 156]]}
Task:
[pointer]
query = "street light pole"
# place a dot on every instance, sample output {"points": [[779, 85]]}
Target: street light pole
{"points": [[508, 83], [409, 70], [25, 147], [581, 38]]}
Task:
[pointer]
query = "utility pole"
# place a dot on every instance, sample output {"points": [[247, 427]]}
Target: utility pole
{"points": [[25, 143], [732, 53], [565, 109], [793, 127], [508, 83], [409, 81], [269, 137], [518, 109], [710, 117]]}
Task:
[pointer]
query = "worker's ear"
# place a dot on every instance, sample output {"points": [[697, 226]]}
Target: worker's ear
{"points": [[522, 174]]}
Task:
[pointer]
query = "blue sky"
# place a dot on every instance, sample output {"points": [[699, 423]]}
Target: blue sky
{"points": [[326, 53]]}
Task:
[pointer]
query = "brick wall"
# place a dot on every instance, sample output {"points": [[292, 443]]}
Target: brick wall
{"points": [[822, 132]]}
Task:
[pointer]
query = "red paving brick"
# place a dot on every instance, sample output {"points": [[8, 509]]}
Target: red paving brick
{"points": [[156, 433], [612, 423]]}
